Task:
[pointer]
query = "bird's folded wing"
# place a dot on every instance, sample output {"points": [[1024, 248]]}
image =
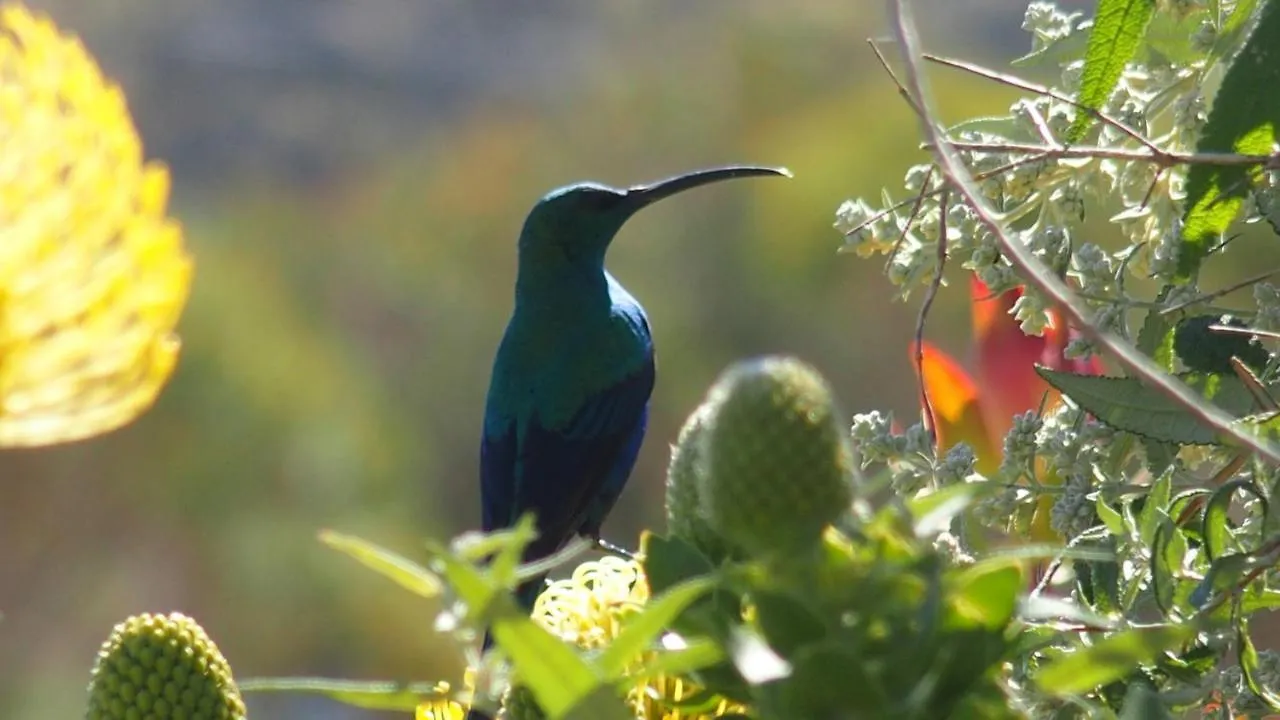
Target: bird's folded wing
{"points": [[560, 473]]}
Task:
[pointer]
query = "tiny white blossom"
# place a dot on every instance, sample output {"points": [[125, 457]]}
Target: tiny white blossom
{"points": [[1030, 312]]}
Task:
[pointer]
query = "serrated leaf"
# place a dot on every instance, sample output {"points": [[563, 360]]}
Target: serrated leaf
{"points": [[642, 630], [395, 567], [1118, 27], [1243, 120], [1110, 659], [1129, 405], [370, 695]]}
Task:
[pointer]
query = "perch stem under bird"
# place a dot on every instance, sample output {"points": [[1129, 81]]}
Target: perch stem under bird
{"points": [[569, 396]]}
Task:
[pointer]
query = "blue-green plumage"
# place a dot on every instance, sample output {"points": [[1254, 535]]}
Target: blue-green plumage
{"points": [[568, 399]]}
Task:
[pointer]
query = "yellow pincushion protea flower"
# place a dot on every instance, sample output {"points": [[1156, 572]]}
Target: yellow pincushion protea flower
{"points": [[442, 709], [93, 274], [590, 608]]}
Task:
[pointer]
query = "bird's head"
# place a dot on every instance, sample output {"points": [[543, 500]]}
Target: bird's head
{"points": [[576, 223]]}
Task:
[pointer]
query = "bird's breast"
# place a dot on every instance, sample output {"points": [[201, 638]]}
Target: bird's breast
{"points": [[549, 367]]}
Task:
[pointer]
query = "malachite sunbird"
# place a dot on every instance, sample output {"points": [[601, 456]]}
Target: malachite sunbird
{"points": [[569, 395]]}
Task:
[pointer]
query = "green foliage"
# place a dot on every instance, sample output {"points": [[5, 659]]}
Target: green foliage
{"points": [[1204, 350], [1129, 405], [1243, 121], [1118, 27]]}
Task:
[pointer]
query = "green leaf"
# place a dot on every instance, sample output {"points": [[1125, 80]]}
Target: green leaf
{"points": [[669, 561], [1153, 509], [1118, 27], [697, 654], [642, 630], [1248, 657], [935, 511], [785, 622], [1168, 549], [985, 595], [1156, 337], [396, 568], [1143, 703], [370, 695], [560, 680], [1111, 518], [1129, 405], [1111, 659], [1217, 525], [1243, 120]]}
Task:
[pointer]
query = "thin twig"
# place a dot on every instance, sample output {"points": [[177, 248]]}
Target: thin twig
{"points": [[1162, 158], [1041, 277], [940, 263], [1224, 291], [1019, 83]]}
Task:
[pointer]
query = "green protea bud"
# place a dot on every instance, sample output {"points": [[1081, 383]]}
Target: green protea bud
{"points": [[779, 465], [685, 518], [162, 666]]}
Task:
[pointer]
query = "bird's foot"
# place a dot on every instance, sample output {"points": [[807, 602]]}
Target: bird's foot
{"points": [[609, 547]]}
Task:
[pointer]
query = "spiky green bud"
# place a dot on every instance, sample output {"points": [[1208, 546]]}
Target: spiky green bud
{"points": [[779, 465], [685, 518], [161, 667]]}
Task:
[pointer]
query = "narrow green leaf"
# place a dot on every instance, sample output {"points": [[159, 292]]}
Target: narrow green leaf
{"points": [[1110, 659], [1243, 120], [1165, 561], [1118, 27], [1217, 525], [1153, 509], [370, 695], [397, 568], [1248, 657], [560, 679], [1129, 405], [699, 653], [1110, 517], [642, 630]]}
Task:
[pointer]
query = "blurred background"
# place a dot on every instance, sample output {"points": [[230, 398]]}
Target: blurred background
{"points": [[352, 177]]}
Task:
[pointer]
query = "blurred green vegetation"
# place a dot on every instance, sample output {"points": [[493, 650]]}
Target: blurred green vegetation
{"points": [[337, 344]]}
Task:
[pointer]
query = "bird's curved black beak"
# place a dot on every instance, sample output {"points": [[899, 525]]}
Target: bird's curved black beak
{"points": [[639, 196]]}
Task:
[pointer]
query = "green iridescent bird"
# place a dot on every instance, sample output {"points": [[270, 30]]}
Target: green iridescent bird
{"points": [[569, 397]]}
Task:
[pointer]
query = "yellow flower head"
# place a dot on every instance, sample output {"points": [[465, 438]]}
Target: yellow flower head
{"points": [[93, 275], [589, 610]]}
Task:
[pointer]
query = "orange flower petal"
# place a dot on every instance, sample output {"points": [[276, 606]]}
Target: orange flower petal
{"points": [[1007, 356], [957, 411]]}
